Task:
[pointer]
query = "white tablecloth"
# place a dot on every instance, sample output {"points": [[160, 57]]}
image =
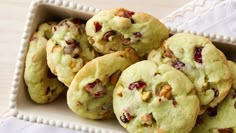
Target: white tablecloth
{"points": [[218, 17]]}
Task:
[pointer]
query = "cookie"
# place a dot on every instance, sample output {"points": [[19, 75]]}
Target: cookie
{"points": [[150, 98], [222, 118], [90, 93], [68, 49], [201, 61], [116, 29], [43, 86]]}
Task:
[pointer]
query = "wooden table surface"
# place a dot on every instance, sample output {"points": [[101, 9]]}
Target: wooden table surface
{"points": [[14, 12]]}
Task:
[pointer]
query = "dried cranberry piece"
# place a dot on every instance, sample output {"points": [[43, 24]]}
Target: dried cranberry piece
{"points": [[234, 93], [137, 34], [226, 130], [124, 13], [97, 26], [199, 120], [91, 85], [126, 117], [212, 111], [95, 89], [77, 21], [178, 64], [54, 28], [129, 14], [216, 91], [98, 94], [174, 103], [73, 43], [73, 48], [198, 54], [137, 85]]}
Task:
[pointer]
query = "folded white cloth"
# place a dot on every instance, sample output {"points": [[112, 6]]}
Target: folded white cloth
{"points": [[208, 16], [217, 17]]}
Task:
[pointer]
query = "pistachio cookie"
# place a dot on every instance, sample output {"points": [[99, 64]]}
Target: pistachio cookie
{"points": [[90, 93], [155, 99], [201, 61], [68, 49], [116, 29], [43, 86], [222, 118]]}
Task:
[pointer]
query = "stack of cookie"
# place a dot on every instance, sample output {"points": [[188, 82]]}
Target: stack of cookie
{"points": [[124, 63]]}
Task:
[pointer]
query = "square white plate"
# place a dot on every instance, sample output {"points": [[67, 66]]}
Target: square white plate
{"points": [[57, 113]]}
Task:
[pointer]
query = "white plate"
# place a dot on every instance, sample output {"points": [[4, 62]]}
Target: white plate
{"points": [[57, 113]]}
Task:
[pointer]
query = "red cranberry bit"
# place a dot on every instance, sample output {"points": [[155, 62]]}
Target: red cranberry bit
{"points": [[73, 43], [126, 117], [73, 48], [97, 26], [90, 85], [124, 13], [212, 111], [174, 103], [198, 54], [77, 21], [129, 14], [137, 34], [199, 120], [137, 85], [54, 28], [95, 89], [226, 130], [234, 93], [178, 64], [216, 91], [98, 94]]}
